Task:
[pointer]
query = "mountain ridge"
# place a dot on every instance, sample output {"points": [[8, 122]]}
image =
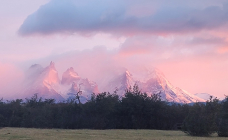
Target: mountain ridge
{"points": [[156, 83], [46, 80]]}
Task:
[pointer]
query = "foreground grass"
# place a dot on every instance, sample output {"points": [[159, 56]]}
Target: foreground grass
{"points": [[63, 134]]}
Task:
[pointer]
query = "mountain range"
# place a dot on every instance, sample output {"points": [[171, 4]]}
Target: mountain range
{"points": [[204, 96], [45, 82]]}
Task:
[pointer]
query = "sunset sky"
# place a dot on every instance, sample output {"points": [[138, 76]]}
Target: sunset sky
{"points": [[186, 39]]}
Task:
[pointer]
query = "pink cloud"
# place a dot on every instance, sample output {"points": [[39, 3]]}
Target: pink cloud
{"points": [[223, 50]]}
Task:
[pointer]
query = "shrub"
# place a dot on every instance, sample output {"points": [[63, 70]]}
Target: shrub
{"points": [[223, 119], [201, 120]]}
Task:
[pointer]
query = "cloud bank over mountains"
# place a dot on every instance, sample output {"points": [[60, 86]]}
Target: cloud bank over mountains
{"points": [[181, 28], [126, 17]]}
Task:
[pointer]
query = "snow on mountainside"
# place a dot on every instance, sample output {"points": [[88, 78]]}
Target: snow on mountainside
{"points": [[154, 83], [46, 82], [204, 96], [157, 83], [43, 81], [75, 84], [119, 83], [70, 76]]}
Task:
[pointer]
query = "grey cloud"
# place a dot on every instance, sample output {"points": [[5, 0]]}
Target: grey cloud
{"points": [[207, 41], [73, 16], [168, 47]]}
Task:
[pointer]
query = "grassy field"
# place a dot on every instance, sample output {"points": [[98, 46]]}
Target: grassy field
{"points": [[57, 134]]}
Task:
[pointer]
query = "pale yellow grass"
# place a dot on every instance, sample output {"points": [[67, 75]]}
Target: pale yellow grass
{"points": [[63, 134]]}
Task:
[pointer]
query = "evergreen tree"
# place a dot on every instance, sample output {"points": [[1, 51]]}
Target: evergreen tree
{"points": [[201, 120], [223, 119]]}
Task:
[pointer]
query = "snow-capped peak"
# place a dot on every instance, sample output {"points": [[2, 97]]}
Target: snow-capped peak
{"points": [[70, 76], [50, 75], [72, 73], [153, 82], [127, 80], [71, 83], [127, 73], [157, 83], [119, 82], [34, 71], [52, 65], [45, 81], [204, 96]]}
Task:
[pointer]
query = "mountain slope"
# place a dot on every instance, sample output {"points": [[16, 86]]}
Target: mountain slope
{"points": [[70, 76], [119, 83], [155, 83], [46, 83], [204, 96], [74, 83], [42, 81]]}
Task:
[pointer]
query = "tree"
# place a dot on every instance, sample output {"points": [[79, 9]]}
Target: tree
{"points": [[201, 120], [223, 119], [78, 93]]}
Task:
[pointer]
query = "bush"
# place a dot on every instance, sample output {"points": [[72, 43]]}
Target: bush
{"points": [[201, 120], [197, 123], [223, 119], [223, 128]]}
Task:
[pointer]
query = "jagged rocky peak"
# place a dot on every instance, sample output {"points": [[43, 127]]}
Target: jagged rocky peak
{"points": [[42, 76], [50, 74], [126, 79], [51, 68], [155, 74], [71, 72], [70, 76], [127, 73], [74, 83], [157, 83], [44, 81], [52, 65], [34, 66], [153, 82], [157, 78], [120, 82], [34, 70]]}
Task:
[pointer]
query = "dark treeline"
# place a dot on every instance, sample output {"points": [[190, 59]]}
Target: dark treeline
{"points": [[205, 119], [135, 110]]}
